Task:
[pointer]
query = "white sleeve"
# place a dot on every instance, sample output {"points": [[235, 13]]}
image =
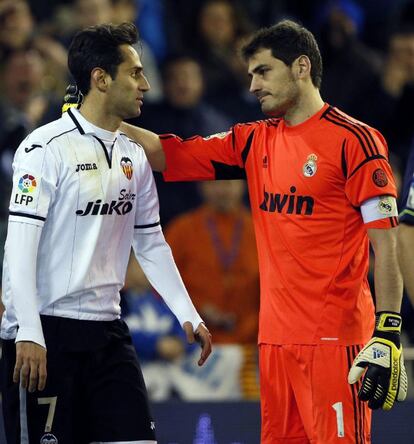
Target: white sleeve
{"points": [[147, 217], [20, 259], [35, 178], [156, 259]]}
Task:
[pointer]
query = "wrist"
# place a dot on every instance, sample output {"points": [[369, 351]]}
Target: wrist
{"points": [[388, 326]]}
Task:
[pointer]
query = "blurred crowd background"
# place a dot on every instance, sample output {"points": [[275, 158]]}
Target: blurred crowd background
{"points": [[199, 85]]}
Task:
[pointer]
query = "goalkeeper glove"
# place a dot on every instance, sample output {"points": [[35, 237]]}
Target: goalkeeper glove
{"points": [[73, 98], [385, 378]]}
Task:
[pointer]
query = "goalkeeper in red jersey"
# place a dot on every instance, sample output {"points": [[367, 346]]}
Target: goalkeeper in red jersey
{"points": [[321, 189]]}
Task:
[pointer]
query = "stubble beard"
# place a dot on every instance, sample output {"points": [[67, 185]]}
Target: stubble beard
{"points": [[280, 108]]}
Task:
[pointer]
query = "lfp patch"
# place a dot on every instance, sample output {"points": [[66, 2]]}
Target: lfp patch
{"points": [[27, 183]]}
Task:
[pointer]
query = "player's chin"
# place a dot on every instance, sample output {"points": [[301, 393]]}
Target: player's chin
{"points": [[272, 111], [132, 114]]}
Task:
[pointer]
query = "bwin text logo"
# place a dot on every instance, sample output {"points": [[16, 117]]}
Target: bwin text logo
{"points": [[287, 203], [121, 206]]}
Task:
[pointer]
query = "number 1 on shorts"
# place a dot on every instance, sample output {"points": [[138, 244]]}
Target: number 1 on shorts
{"points": [[339, 418]]}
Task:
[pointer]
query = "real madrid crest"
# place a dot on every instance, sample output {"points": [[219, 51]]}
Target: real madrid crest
{"points": [[310, 167], [386, 205]]}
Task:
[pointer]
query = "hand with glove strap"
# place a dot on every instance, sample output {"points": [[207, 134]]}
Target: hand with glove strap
{"points": [[73, 98], [385, 378]]}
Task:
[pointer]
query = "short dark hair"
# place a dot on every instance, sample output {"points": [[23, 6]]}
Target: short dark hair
{"points": [[287, 40], [98, 46]]}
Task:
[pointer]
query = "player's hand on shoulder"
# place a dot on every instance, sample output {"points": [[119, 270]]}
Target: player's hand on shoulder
{"points": [[381, 365], [201, 335], [73, 98], [30, 367]]}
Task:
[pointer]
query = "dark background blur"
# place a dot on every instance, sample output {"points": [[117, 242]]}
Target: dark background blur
{"points": [[199, 84]]}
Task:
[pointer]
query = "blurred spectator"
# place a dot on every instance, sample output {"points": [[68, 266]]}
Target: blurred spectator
{"points": [[92, 12], [168, 363], [347, 62], [81, 14], [86, 13], [24, 105], [406, 244], [221, 27], [17, 25], [183, 112], [386, 103], [215, 251], [400, 131], [18, 31], [151, 26], [129, 11], [155, 331]]}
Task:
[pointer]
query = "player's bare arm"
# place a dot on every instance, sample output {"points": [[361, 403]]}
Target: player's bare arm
{"points": [[388, 279], [380, 363], [406, 257], [150, 142]]}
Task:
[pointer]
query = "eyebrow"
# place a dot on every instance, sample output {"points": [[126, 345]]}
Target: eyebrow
{"points": [[258, 68], [136, 68]]}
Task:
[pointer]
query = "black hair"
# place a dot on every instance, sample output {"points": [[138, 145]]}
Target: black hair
{"points": [[287, 40], [98, 46]]}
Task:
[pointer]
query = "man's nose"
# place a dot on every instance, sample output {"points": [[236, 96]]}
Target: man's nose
{"points": [[144, 85], [254, 85]]}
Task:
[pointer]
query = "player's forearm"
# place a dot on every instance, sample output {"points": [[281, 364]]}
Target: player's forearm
{"points": [[20, 259], [387, 275], [155, 257], [406, 257], [150, 142]]}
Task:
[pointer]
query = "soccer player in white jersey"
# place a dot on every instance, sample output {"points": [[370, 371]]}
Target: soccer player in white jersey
{"points": [[83, 193]]}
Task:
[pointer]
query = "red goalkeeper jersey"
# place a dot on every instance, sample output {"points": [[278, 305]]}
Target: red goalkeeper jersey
{"points": [[306, 184]]}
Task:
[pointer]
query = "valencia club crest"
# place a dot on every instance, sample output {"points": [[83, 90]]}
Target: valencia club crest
{"points": [[126, 165]]}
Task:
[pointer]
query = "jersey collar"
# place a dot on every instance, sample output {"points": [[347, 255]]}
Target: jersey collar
{"points": [[86, 127]]}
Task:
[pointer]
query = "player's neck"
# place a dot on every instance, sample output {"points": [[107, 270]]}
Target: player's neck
{"points": [[98, 115], [307, 105]]}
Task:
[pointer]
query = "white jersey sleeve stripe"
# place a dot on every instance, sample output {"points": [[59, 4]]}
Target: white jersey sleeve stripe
{"points": [[30, 216], [147, 226]]}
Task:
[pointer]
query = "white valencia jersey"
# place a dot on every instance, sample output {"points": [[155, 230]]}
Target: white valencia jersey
{"points": [[88, 199]]}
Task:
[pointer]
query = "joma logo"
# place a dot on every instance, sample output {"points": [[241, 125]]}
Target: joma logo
{"points": [[85, 167]]}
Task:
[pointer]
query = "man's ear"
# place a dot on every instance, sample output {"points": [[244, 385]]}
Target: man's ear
{"points": [[302, 66], [100, 79]]}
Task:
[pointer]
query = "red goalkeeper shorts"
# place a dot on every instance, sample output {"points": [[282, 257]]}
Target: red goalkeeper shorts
{"points": [[305, 396]]}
